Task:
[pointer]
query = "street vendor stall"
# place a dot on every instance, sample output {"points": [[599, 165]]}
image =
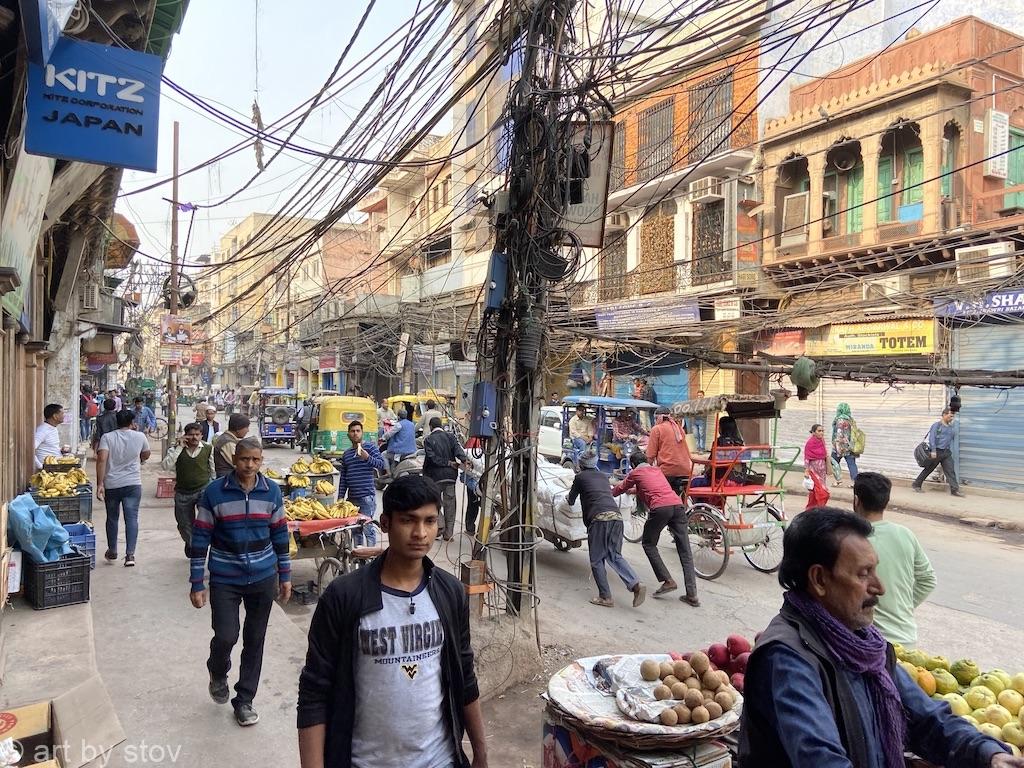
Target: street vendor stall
{"points": [[659, 710]]}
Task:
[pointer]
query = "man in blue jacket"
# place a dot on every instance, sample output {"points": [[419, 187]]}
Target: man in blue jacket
{"points": [[240, 525], [401, 438], [356, 481], [822, 687], [389, 676]]}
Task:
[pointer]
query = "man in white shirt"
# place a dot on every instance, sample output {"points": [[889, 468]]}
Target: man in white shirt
{"points": [[47, 442]]}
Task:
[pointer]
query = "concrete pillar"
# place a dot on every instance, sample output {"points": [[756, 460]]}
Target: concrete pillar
{"points": [[63, 376], [931, 143], [869, 215], [816, 169]]}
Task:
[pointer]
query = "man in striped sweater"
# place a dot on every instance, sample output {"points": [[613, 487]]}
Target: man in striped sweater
{"points": [[240, 521], [357, 468]]}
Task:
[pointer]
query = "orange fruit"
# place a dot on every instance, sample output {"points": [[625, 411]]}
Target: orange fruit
{"points": [[926, 680]]}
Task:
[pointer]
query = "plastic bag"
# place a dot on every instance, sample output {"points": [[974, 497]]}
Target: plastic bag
{"points": [[37, 530]]}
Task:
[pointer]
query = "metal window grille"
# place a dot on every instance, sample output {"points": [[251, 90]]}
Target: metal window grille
{"points": [[710, 264], [618, 169], [654, 151], [613, 268], [710, 116]]}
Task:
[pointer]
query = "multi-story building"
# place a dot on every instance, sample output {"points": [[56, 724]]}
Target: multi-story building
{"points": [[892, 225]]}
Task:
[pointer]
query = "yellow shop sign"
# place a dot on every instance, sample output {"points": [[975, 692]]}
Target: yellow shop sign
{"points": [[892, 337]]}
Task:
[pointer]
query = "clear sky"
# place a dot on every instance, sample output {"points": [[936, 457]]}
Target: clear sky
{"points": [[216, 56]]}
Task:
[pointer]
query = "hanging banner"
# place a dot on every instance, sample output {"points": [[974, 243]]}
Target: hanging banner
{"points": [[647, 314], [94, 103], [175, 330], [175, 355], [995, 303], [783, 344], [883, 339], [19, 228], [328, 362]]}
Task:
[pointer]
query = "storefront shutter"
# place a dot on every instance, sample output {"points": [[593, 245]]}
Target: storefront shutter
{"points": [[991, 420], [894, 420], [884, 191]]}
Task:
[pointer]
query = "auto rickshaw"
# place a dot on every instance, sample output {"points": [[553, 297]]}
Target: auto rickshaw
{"points": [[418, 403], [612, 443], [276, 415], [329, 420]]}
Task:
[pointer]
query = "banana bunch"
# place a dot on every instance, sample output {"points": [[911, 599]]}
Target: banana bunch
{"points": [[273, 474], [323, 487], [321, 467], [60, 460], [311, 509], [51, 485], [298, 481], [300, 468]]}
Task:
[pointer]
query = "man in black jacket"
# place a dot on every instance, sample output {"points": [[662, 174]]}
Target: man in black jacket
{"points": [[105, 422], [389, 676], [604, 531], [441, 461]]}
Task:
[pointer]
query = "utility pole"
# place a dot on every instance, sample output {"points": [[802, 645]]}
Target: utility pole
{"points": [[172, 370], [514, 333]]}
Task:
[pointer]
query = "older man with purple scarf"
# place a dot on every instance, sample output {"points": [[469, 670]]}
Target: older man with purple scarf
{"points": [[822, 686]]}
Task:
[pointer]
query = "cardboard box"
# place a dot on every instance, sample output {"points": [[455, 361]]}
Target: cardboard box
{"points": [[13, 573], [75, 729]]}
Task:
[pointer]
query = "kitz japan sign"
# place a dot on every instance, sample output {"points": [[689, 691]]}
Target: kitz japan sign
{"points": [[95, 103]]}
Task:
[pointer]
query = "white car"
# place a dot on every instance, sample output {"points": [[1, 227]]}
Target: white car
{"points": [[549, 442]]}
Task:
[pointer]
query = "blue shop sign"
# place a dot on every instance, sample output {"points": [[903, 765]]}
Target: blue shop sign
{"points": [[43, 21], [996, 303], [95, 103], [647, 314]]}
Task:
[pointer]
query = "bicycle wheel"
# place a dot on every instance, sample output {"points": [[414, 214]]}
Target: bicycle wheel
{"points": [[708, 541], [634, 522], [161, 428], [766, 554], [330, 568]]}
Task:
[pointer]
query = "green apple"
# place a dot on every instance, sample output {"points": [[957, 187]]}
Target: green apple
{"points": [[997, 715], [1004, 677], [1013, 733], [980, 697], [957, 704], [1012, 700], [1017, 683], [993, 682], [991, 730]]}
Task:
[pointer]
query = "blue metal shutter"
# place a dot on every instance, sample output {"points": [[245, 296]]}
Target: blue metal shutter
{"points": [[991, 420]]}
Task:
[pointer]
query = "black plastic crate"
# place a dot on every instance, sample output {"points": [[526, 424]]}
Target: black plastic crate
{"points": [[63, 582], [68, 509], [56, 469]]}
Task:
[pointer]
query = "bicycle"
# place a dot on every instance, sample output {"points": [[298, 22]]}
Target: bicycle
{"points": [[160, 432]]}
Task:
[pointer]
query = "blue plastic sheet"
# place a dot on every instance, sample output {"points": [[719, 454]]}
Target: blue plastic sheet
{"points": [[36, 530]]}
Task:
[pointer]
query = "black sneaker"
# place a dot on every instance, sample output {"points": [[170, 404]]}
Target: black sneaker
{"points": [[917, 488], [219, 690], [245, 715], [959, 494], [129, 561], [110, 555]]}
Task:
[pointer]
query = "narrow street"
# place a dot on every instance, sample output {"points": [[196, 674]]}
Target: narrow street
{"points": [[150, 644]]}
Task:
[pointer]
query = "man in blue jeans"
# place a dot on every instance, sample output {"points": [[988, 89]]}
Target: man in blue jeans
{"points": [[358, 466], [119, 482]]}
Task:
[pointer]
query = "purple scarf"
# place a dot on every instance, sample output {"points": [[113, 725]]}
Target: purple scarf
{"points": [[864, 654]]}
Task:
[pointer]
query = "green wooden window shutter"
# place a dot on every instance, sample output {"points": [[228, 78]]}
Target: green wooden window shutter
{"points": [[1015, 173], [913, 175], [947, 174], [884, 189], [855, 199]]}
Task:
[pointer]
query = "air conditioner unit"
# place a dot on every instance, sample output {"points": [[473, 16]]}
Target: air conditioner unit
{"points": [[618, 221], [985, 262], [705, 190], [795, 218], [90, 296], [886, 287]]}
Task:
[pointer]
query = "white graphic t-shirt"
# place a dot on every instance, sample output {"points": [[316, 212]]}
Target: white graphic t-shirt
{"points": [[400, 718]]}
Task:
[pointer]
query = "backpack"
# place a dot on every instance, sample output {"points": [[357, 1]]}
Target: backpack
{"points": [[91, 409], [858, 440]]}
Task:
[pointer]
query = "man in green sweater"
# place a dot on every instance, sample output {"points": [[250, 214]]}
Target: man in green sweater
{"points": [[903, 566], [193, 471]]}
